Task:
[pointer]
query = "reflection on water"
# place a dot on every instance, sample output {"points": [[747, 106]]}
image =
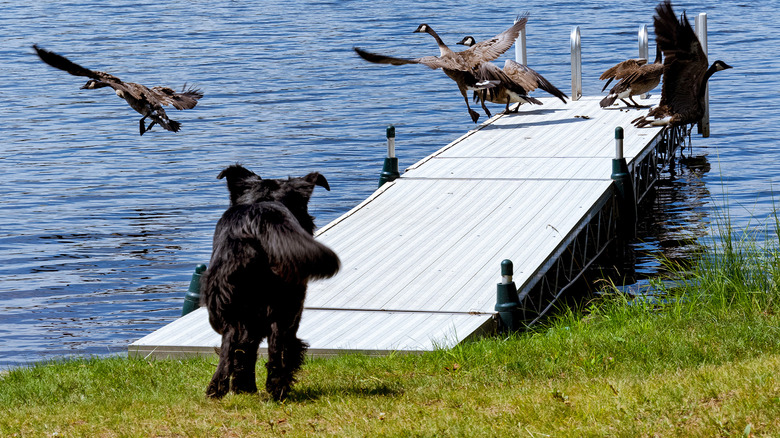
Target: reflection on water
{"points": [[100, 229], [673, 220]]}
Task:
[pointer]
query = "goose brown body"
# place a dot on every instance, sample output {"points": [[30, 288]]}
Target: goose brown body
{"points": [[146, 101], [685, 72], [459, 66], [621, 70], [635, 79]]}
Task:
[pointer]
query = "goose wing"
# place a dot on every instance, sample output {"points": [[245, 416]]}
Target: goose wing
{"points": [[63, 63], [433, 62], [489, 72], [645, 73], [618, 70], [621, 70], [684, 60], [530, 79], [179, 100], [488, 50]]}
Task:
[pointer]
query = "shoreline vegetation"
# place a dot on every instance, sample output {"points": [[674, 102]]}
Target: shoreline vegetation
{"points": [[702, 361]]}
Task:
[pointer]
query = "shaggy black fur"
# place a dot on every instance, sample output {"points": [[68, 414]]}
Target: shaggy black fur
{"points": [[264, 254]]}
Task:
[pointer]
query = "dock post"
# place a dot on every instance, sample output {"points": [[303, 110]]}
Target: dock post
{"points": [[701, 33], [192, 297], [624, 188], [390, 167], [576, 64], [507, 302], [644, 49], [520, 53]]}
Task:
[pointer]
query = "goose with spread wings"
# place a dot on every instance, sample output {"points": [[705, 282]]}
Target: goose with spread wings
{"points": [[146, 101], [685, 72], [459, 66], [516, 81]]}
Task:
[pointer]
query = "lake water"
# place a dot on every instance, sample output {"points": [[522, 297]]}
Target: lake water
{"points": [[100, 229]]}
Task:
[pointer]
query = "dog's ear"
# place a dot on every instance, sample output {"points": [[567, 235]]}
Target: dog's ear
{"points": [[317, 179], [236, 172], [239, 180]]}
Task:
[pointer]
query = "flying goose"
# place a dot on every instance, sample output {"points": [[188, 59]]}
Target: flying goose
{"points": [[517, 80], [685, 72], [148, 102], [459, 66], [634, 81]]}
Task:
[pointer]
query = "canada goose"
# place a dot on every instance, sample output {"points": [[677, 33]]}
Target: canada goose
{"points": [[517, 80], [685, 72], [459, 66], [634, 81], [148, 102], [621, 70]]}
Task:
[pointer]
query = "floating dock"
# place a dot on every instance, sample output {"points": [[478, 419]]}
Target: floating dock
{"points": [[421, 256]]}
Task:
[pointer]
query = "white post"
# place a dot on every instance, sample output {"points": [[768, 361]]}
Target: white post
{"points": [[701, 33], [644, 49], [520, 55], [576, 64]]}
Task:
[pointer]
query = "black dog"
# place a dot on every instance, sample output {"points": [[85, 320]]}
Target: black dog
{"points": [[264, 254]]}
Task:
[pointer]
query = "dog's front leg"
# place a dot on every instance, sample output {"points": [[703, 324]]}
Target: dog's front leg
{"points": [[220, 382]]}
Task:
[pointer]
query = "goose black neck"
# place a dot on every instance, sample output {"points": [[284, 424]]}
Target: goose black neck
{"points": [[703, 86], [658, 55], [442, 47]]}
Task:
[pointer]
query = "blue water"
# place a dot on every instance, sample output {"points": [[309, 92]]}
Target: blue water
{"points": [[100, 229]]}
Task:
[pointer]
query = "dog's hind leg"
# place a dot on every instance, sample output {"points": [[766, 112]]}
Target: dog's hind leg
{"points": [[220, 382], [285, 351]]}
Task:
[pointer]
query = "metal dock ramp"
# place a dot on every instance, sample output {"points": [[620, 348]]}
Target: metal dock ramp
{"points": [[421, 256]]}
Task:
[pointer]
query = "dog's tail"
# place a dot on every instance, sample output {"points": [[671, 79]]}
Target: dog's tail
{"points": [[293, 254]]}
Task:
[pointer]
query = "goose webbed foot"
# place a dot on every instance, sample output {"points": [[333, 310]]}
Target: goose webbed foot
{"points": [[142, 126], [636, 105], [487, 111], [474, 115]]}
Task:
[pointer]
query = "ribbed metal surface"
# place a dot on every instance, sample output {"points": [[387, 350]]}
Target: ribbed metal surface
{"points": [[329, 332], [421, 257]]}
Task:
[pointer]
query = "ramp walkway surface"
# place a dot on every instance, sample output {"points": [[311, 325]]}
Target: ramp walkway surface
{"points": [[421, 256]]}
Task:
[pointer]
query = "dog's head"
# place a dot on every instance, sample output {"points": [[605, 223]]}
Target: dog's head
{"points": [[246, 187]]}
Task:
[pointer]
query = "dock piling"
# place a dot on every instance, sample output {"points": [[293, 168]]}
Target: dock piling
{"points": [[507, 302], [390, 167], [701, 33], [520, 53], [576, 64], [644, 49], [192, 297], [626, 198]]}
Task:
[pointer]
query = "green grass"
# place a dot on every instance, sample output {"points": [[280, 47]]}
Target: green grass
{"points": [[705, 363]]}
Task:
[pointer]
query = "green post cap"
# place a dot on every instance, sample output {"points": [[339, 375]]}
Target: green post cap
{"points": [[192, 297], [506, 268], [619, 133], [391, 131]]}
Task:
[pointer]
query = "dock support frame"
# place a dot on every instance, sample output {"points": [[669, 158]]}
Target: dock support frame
{"points": [[596, 232]]}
